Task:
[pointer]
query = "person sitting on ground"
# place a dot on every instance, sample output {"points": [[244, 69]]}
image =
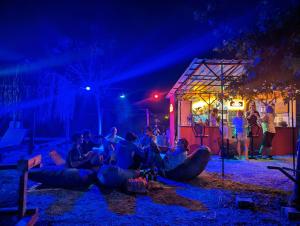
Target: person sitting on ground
{"points": [[148, 139], [239, 131], [176, 157], [87, 143], [110, 144], [128, 155], [113, 137], [76, 159], [150, 149]]}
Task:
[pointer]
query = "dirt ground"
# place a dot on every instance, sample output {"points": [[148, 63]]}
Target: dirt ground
{"points": [[209, 199]]}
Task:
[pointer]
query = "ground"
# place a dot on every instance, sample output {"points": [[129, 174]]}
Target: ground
{"points": [[206, 200]]}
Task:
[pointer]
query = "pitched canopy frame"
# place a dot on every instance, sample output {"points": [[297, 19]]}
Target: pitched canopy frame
{"points": [[209, 77]]}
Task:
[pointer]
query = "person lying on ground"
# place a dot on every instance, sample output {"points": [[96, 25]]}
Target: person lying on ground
{"points": [[77, 159]]}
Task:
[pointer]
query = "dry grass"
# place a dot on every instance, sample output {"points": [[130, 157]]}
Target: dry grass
{"points": [[166, 195], [215, 181], [64, 201], [120, 203]]}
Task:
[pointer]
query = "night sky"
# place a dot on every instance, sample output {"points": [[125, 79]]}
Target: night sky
{"points": [[146, 45]]}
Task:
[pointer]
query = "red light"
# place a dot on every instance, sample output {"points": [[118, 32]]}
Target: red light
{"points": [[156, 96]]}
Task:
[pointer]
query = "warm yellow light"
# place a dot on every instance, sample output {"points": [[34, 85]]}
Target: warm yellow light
{"points": [[198, 104], [236, 104], [171, 108]]}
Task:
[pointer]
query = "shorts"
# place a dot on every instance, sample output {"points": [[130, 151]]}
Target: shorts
{"points": [[240, 136], [267, 139]]}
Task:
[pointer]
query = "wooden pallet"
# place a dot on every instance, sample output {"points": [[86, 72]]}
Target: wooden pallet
{"points": [[26, 216]]}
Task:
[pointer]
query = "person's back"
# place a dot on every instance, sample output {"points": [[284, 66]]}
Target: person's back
{"points": [[128, 155], [239, 124], [124, 154]]}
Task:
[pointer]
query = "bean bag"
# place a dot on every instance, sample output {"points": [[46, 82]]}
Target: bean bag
{"points": [[114, 176], [61, 177], [192, 166]]}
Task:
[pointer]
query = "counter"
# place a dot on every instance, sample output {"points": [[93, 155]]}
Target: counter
{"points": [[282, 142]]}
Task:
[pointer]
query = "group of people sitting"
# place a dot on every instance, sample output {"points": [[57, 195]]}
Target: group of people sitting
{"points": [[125, 153]]}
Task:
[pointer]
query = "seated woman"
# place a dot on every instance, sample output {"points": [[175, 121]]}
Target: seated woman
{"points": [[77, 159], [176, 157]]}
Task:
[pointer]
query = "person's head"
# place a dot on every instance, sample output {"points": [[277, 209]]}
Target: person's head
{"points": [[148, 131], [269, 109], [87, 135], [113, 131], [77, 138], [131, 137], [239, 113], [252, 106], [183, 143], [215, 111]]}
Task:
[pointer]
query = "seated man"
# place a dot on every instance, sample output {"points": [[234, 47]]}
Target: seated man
{"points": [[87, 143], [77, 159], [151, 150], [128, 155], [176, 157]]}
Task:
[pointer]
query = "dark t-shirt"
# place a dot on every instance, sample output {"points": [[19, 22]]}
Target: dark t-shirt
{"points": [[74, 155], [88, 146], [253, 119]]}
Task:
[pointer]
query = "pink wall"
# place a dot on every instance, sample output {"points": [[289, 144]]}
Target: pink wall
{"points": [[172, 120]]}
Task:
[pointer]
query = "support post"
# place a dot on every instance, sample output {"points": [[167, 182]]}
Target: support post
{"points": [[293, 136], [147, 117], [222, 119]]}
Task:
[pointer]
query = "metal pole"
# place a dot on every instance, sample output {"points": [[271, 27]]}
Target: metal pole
{"points": [[99, 111], [208, 109], [293, 136], [222, 118], [147, 117]]}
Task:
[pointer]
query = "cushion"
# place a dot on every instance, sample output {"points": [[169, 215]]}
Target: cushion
{"points": [[114, 176], [192, 166], [63, 177]]}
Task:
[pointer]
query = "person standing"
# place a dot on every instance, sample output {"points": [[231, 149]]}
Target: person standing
{"points": [[214, 118], [253, 120], [239, 127], [269, 132]]}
